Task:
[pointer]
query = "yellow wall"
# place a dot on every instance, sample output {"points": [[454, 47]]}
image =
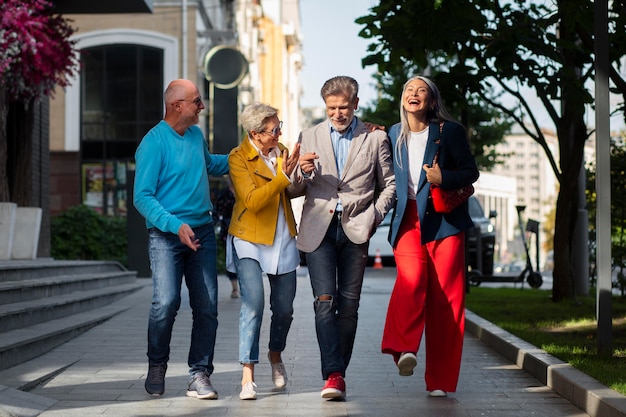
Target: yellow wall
{"points": [[57, 120], [271, 64]]}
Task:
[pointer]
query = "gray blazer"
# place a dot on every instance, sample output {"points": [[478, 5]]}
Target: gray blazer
{"points": [[367, 187]]}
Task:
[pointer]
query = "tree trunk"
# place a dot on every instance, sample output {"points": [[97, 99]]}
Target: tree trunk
{"points": [[572, 133], [4, 181], [21, 118], [566, 214]]}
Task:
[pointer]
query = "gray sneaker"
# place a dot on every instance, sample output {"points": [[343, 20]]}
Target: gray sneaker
{"points": [[200, 387]]}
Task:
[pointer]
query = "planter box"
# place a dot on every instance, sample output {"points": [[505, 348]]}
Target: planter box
{"points": [[7, 227], [26, 234]]}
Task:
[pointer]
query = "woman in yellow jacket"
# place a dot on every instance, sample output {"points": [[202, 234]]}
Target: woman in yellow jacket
{"points": [[261, 240]]}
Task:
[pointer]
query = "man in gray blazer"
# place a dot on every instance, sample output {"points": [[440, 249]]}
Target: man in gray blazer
{"points": [[346, 176]]}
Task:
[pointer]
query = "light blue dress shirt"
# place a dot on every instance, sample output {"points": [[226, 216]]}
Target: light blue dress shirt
{"points": [[341, 146]]}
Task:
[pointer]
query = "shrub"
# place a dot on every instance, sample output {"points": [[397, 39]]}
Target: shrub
{"points": [[221, 257], [80, 233]]}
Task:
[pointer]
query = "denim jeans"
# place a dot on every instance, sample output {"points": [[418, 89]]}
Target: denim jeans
{"points": [[170, 260], [336, 269], [282, 293]]}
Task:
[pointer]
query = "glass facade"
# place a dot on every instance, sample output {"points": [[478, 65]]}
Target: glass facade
{"points": [[121, 99]]}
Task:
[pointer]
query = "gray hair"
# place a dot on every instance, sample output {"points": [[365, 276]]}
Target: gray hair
{"points": [[340, 85], [254, 117], [436, 112]]}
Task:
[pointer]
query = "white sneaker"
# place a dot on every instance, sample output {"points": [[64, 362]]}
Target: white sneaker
{"points": [[406, 363], [248, 391], [438, 393], [279, 374]]}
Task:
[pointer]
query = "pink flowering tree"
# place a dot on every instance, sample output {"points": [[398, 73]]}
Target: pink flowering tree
{"points": [[36, 54]]}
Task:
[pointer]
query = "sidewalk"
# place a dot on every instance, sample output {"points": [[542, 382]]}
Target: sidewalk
{"points": [[102, 372]]}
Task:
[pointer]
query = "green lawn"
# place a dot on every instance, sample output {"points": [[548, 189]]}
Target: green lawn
{"points": [[566, 330]]}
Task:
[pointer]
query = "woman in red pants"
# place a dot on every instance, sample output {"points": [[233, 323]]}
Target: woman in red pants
{"points": [[429, 247]]}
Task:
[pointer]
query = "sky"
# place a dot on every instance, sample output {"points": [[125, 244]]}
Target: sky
{"points": [[332, 46]]}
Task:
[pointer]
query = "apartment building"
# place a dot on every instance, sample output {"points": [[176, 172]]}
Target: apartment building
{"points": [[535, 185]]}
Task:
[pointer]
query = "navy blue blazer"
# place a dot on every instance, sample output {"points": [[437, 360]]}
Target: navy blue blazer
{"points": [[458, 169]]}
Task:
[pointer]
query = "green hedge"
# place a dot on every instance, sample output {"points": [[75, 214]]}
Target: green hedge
{"points": [[80, 233], [221, 258]]}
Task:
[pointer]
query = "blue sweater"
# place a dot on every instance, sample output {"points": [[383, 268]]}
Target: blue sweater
{"points": [[171, 178]]}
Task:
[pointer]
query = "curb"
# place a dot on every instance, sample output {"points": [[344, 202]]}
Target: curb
{"points": [[580, 389]]}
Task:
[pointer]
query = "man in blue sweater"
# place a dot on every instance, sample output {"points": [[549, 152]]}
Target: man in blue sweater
{"points": [[173, 165]]}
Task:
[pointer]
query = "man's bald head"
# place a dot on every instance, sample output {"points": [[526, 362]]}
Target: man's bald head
{"points": [[178, 90]]}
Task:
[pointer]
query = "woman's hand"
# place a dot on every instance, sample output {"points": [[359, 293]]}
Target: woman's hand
{"points": [[291, 161], [433, 173]]}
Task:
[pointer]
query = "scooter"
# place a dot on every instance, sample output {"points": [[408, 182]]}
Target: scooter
{"points": [[475, 277]]}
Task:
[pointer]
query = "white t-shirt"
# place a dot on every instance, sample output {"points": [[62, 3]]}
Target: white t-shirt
{"points": [[416, 145]]}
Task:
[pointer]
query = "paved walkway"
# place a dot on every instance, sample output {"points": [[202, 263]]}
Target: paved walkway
{"points": [[102, 372]]}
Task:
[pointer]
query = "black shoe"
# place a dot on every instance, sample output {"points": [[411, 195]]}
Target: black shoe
{"points": [[155, 381]]}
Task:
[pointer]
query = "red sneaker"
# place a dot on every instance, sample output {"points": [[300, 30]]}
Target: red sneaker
{"points": [[335, 387]]}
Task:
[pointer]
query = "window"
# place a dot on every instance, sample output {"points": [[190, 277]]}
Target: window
{"points": [[120, 100]]}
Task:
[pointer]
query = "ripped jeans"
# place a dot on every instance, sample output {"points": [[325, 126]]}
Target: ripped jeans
{"points": [[336, 269]]}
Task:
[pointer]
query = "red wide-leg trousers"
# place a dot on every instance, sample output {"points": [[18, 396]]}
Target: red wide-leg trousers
{"points": [[429, 294]]}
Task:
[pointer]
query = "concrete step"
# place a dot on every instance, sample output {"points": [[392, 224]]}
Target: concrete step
{"points": [[27, 313], [20, 345], [17, 270], [53, 286], [44, 303]]}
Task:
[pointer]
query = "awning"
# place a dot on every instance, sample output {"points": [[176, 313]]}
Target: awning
{"points": [[102, 6]]}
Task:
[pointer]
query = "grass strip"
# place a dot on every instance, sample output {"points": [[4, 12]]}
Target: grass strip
{"points": [[566, 330]]}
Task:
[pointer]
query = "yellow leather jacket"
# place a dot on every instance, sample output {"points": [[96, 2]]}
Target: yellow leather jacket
{"points": [[257, 195]]}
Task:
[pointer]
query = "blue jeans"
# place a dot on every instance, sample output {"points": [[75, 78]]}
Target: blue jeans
{"points": [[282, 293], [336, 269], [170, 260]]}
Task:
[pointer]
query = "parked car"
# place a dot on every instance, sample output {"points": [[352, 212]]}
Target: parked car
{"points": [[482, 225], [480, 259]]}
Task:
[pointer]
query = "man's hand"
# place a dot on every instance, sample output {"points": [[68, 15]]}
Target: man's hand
{"points": [[188, 238], [307, 162], [373, 126]]}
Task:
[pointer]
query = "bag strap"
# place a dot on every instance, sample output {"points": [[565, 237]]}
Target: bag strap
{"points": [[438, 143]]}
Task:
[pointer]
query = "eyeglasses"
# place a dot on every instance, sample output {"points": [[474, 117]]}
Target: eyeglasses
{"points": [[274, 132], [197, 101]]}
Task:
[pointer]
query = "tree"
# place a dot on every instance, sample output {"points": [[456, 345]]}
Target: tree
{"points": [[504, 52], [618, 207], [36, 54]]}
